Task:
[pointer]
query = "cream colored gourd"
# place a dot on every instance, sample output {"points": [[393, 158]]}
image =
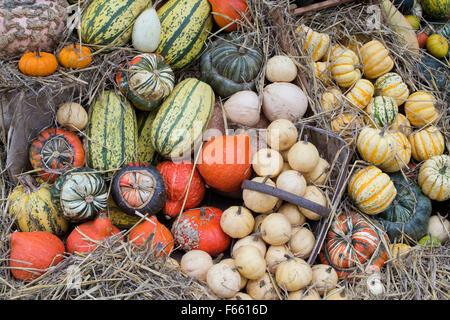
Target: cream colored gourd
{"points": [[420, 109], [391, 84], [280, 68], [196, 263], [376, 59], [426, 143], [281, 134], [292, 213], [258, 220], [250, 240], [331, 99], [274, 256], [243, 107], [304, 294], [223, 280], [284, 100], [434, 177], [291, 181], [257, 201], [276, 229], [249, 262], [230, 262], [319, 174], [371, 190], [314, 194], [262, 288], [347, 125], [401, 124], [302, 243], [237, 222], [293, 274], [72, 116], [375, 146], [314, 43], [343, 68], [402, 153], [324, 278], [146, 31], [303, 156], [286, 167], [361, 93], [337, 294], [439, 227], [267, 162]]}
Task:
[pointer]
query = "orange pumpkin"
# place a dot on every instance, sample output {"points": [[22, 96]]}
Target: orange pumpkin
{"points": [[229, 10], [75, 56], [163, 241], [36, 251], [200, 229], [38, 64], [85, 236], [225, 162]]}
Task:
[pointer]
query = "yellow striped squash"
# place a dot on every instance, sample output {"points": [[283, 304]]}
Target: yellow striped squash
{"points": [[343, 68], [382, 110], [110, 22], [347, 125], [371, 190], [402, 153], [375, 59], [314, 43], [426, 143], [185, 25], [420, 108], [434, 178], [391, 84], [401, 123], [331, 98], [361, 93], [375, 146]]}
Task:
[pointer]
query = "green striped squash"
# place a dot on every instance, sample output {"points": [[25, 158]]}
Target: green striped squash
{"points": [[111, 133], [383, 110], [391, 84], [146, 153], [110, 22], [185, 26], [182, 118], [436, 9]]}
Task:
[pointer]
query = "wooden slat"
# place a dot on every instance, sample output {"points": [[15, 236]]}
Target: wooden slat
{"points": [[318, 6]]}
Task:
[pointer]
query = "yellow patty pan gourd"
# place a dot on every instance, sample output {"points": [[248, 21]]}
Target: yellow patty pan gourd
{"points": [[426, 143], [343, 68], [314, 43], [420, 108], [402, 153], [375, 59], [375, 146], [361, 93], [391, 84], [434, 178]]}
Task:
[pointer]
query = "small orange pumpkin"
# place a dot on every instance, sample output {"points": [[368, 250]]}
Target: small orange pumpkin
{"points": [[38, 64], [75, 56]]}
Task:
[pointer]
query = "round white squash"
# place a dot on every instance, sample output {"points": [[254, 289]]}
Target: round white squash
{"points": [[223, 280], [374, 284], [274, 256], [280, 68], [72, 116], [439, 227], [237, 221], [251, 240], [257, 201], [293, 274], [281, 134], [303, 156], [324, 278], [230, 262], [243, 107], [314, 194], [196, 263], [146, 31], [284, 100], [319, 174], [292, 213], [258, 220], [292, 181], [302, 243], [261, 288], [267, 162], [249, 262], [276, 229]]}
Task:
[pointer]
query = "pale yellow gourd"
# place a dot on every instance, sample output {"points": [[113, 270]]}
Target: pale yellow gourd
{"points": [[420, 109], [426, 143], [313, 43], [402, 153], [434, 178], [361, 93], [376, 59], [375, 146]]}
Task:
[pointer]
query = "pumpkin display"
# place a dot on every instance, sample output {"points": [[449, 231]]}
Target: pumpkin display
{"points": [[38, 64], [303, 156], [376, 59], [262, 288], [85, 237], [33, 253], [249, 262], [244, 56], [281, 134], [200, 229], [223, 280], [434, 177], [420, 108], [391, 84], [375, 146], [257, 201], [343, 68], [324, 278], [350, 242], [146, 30], [314, 43], [426, 143], [196, 263], [26, 25], [162, 240], [361, 93], [267, 162], [347, 125], [402, 153], [225, 162], [371, 190], [237, 222], [436, 9], [139, 187], [293, 274], [408, 214], [55, 151], [33, 208], [243, 107], [280, 68], [75, 56], [72, 116], [382, 110], [146, 80], [402, 124], [225, 13], [177, 178]]}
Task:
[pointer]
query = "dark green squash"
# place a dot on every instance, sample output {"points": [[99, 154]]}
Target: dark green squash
{"points": [[231, 65], [409, 213]]}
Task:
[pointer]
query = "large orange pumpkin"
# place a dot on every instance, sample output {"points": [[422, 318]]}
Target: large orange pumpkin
{"points": [[225, 162], [200, 229]]}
